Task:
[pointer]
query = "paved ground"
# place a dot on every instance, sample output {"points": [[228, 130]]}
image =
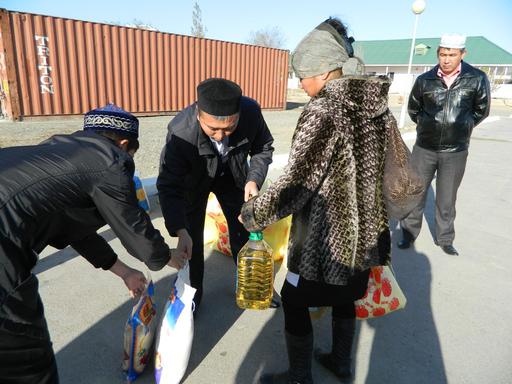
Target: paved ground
{"points": [[455, 329]]}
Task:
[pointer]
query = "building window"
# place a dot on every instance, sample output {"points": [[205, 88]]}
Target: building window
{"points": [[421, 49]]}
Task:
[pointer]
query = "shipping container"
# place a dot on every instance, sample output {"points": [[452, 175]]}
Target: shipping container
{"points": [[51, 66]]}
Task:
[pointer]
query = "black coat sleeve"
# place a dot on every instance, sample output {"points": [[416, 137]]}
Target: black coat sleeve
{"points": [[415, 105], [170, 183], [96, 250], [261, 150], [482, 100], [116, 201]]}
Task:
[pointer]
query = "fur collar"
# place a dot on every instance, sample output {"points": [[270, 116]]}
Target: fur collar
{"points": [[366, 96]]}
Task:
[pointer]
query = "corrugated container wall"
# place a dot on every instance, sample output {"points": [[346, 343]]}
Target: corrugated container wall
{"points": [[54, 66]]}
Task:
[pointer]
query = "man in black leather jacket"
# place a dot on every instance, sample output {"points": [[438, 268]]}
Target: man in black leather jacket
{"points": [[446, 103], [60, 193], [207, 150]]}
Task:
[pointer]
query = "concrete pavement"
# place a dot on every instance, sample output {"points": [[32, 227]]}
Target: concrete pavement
{"points": [[456, 327]]}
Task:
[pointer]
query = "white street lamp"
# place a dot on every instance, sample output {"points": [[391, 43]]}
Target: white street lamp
{"points": [[417, 8]]}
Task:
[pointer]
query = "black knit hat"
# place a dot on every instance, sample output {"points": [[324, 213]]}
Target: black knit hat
{"points": [[112, 118], [219, 97]]}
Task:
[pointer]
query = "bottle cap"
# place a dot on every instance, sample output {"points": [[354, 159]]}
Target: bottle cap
{"points": [[255, 236]]}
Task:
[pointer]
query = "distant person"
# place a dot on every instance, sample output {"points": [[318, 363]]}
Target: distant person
{"points": [[446, 103], [60, 193], [332, 186], [219, 144]]}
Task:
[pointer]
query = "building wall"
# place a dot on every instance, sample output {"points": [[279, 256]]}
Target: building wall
{"points": [[498, 75]]}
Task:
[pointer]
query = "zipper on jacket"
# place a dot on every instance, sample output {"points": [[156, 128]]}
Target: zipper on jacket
{"points": [[446, 103]]}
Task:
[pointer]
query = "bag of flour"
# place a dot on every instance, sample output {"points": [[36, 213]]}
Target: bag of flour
{"points": [[176, 332]]}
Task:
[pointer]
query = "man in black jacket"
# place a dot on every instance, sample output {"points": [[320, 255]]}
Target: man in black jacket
{"points": [[446, 103], [60, 193], [207, 147]]}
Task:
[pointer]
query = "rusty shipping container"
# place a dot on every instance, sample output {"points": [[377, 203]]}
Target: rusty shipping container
{"points": [[53, 66]]}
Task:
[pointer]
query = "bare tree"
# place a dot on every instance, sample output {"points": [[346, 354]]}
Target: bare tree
{"points": [[198, 29], [271, 37]]}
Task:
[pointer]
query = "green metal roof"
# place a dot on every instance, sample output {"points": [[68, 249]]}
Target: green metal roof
{"points": [[480, 51]]}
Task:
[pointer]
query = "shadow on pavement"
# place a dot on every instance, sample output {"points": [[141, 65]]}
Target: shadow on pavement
{"points": [[95, 355], [68, 253], [430, 211], [267, 353], [406, 346], [294, 105], [218, 311]]}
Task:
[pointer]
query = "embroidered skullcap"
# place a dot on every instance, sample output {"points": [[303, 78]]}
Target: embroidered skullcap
{"points": [[323, 50], [453, 40], [112, 118], [219, 97]]}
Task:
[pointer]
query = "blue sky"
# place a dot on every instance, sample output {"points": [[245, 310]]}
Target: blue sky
{"points": [[234, 20]]}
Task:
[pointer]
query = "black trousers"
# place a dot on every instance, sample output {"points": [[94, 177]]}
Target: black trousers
{"points": [[448, 167], [26, 360], [26, 353], [297, 300], [230, 198]]}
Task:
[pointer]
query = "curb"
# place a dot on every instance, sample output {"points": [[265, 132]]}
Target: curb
{"points": [[278, 161]]}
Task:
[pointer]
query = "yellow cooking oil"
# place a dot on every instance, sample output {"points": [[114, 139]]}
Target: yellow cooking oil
{"points": [[255, 274]]}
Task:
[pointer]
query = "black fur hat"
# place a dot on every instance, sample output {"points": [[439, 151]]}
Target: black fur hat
{"points": [[219, 97]]}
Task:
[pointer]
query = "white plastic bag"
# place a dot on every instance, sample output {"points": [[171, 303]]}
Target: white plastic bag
{"points": [[176, 332]]}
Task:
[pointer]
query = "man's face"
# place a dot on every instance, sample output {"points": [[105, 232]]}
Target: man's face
{"points": [[449, 59], [215, 128], [132, 152]]}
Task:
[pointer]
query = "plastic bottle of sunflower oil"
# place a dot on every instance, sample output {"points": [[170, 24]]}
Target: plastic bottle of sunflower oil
{"points": [[255, 274]]}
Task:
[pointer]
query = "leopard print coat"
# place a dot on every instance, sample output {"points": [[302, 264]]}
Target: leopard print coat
{"points": [[332, 183]]}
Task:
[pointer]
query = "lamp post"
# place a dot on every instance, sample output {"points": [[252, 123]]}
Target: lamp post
{"points": [[417, 8]]}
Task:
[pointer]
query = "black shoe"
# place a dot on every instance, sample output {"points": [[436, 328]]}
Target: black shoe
{"points": [[300, 351], [339, 360], [404, 244], [275, 303], [407, 239], [449, 250], [342, 371]]}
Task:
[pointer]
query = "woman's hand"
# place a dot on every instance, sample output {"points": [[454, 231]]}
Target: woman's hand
{"points": [[250, 190], [178, 258]]}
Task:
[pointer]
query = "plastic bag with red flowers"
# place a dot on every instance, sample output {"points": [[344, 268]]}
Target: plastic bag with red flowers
{"points": [[383, 295]]}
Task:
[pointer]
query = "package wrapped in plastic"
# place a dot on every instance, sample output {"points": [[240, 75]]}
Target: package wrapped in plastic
{"points": [[139, 333], [142, 196], [216, 232]]}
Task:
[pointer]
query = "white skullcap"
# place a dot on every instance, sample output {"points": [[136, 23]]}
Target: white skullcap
{"points": [[453, 40]]}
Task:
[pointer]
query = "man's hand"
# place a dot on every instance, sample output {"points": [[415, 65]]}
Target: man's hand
{"points": [[251, 190], [184, 242], [178, 259], [134, 280]]}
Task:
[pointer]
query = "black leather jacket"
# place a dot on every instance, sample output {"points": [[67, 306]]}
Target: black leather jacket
{"points": [[445, 117], [60, 193]]}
